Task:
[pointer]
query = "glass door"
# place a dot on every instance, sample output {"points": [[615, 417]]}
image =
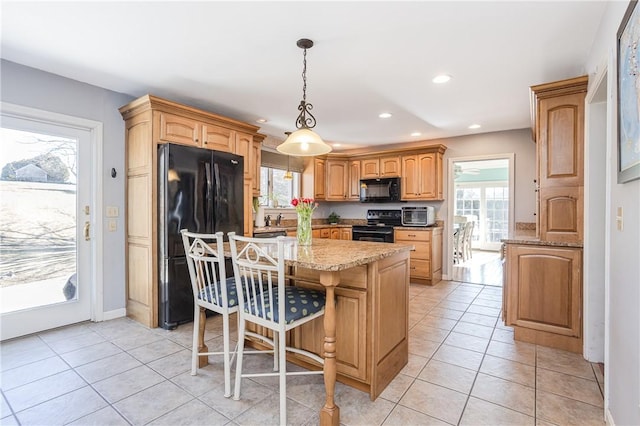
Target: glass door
{"points": [[45, 226]]}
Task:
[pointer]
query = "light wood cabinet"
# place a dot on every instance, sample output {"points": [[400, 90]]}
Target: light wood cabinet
{"points": [[381, 167], [426, 258], [218, 138], [558, 123], [335, 234], [544, 297], [178, 129], [337, 179], [325, 233], [422, 177], [354, 180], [150, 121], [346, 234], [319, 179]]}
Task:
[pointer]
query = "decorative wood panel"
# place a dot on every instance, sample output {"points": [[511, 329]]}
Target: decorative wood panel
{"points": [[138, 207]]}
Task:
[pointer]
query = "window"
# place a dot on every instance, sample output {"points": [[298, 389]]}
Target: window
{"points": [[489, 203], [275, 191]]}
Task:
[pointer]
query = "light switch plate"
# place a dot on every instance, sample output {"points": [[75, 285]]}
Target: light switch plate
{"points": [[112, 211], [619, 219], [112, 225]]}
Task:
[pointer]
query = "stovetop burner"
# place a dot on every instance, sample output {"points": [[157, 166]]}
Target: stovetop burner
{"points": [[384, 217]]}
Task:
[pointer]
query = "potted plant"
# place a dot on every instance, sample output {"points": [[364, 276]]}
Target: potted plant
{"points": [[333, 218]]}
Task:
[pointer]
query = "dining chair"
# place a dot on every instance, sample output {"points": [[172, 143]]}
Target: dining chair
{"points": [[457, 245], [466, 240], [266, 300], [211, 290]]}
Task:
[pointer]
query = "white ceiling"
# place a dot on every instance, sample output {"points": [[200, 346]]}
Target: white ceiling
{"points": [[240, 59]]}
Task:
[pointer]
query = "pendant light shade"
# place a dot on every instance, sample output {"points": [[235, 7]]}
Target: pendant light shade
{"points": [[304, 142]]}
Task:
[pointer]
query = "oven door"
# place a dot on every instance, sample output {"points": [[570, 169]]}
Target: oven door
{"points": [[376, 235]]}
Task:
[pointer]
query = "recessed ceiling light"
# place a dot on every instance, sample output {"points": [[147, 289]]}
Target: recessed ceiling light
{"points": [[475, 126], [416, 134], [442, 78], [337, 145], [385, 115], [261, 120]]}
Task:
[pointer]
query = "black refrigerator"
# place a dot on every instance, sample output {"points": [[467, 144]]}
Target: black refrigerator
{"points": [[202, 191]]}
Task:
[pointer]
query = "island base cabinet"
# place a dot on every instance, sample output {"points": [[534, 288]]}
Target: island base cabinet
{"points": [[372, 324], [544, 295]]}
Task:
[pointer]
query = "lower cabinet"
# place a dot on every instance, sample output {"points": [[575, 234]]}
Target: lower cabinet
{"points": [[426, 259], [543, 295]]}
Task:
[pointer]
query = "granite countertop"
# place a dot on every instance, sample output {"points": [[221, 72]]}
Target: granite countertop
{"points": [[529, 238], [417, 228], [293, 228], [337, 255]]}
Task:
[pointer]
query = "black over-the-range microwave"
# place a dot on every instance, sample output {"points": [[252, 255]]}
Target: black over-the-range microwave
{"points": [[382, 190]]}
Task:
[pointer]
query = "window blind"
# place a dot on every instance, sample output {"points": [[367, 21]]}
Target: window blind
{"points": [[275, 160]]}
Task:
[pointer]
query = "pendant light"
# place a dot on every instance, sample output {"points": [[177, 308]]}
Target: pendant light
{"points": [[304, 142]]}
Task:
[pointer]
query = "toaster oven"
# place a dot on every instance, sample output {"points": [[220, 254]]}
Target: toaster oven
{"points": [[418, 216]]}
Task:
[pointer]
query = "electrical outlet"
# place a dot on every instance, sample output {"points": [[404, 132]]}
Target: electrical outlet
{"points": [[112, 225], [112, 211]]}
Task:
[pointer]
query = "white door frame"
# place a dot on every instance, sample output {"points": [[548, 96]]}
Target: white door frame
{"points": [[510, 157], [95, 129]]}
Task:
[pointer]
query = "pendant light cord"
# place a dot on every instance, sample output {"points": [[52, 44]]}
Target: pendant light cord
{"points": [[304, 76]]}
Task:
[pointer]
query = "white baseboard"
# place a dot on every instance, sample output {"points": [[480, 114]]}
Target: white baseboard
{"points": [[608, 418], [445, 277], [116, 313]]}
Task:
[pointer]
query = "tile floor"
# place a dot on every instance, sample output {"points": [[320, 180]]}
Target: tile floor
{"points": [[464, 369]]}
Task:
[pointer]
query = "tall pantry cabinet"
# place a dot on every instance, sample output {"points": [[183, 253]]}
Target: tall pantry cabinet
{"points": [[543, 277], [150, 121]]}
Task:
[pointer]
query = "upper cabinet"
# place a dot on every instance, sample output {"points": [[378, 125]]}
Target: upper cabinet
{"points": [[218, 138], [354, 180], [338, 186], [178, 129], [422, 177], [380, 167], [558, 126]]}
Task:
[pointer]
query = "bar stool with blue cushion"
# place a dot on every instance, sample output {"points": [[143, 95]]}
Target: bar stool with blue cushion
{"points": [[211, 290], [265, 300]]}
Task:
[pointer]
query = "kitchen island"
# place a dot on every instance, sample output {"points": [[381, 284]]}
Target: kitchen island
{"points": [[364, 333]]}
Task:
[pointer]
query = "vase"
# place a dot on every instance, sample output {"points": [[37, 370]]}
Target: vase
{"points": [[304, 228]]}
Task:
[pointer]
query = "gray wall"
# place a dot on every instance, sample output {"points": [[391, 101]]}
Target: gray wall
{"points": [[622, 349], [33, 88]]}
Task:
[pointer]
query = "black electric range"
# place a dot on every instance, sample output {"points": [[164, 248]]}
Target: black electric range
{"points": [[379, 226]]}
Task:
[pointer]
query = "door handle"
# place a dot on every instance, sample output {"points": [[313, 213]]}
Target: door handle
{"points": [[87, 229]]}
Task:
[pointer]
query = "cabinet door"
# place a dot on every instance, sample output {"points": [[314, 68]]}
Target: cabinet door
{"points": [[370, 168], [335, 233], [256, 158], [351, 327], [390, 166], [325, 233], [218, 138], [561, 214], [409, 186], [244, 143], [561, 140], [545, 289], [177, 129], [319, 179], [345, 234], [337, 180], [354, 180], [248, 209], [427, 182]]}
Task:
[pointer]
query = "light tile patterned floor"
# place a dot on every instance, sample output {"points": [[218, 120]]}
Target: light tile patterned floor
{"points": [[464, 369]]}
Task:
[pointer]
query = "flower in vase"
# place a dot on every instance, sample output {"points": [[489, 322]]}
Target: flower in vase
{"points": [[304, 205]]}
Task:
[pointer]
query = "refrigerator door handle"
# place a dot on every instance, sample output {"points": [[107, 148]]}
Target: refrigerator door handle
{"points": [[216, 193], [208, 212]]}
